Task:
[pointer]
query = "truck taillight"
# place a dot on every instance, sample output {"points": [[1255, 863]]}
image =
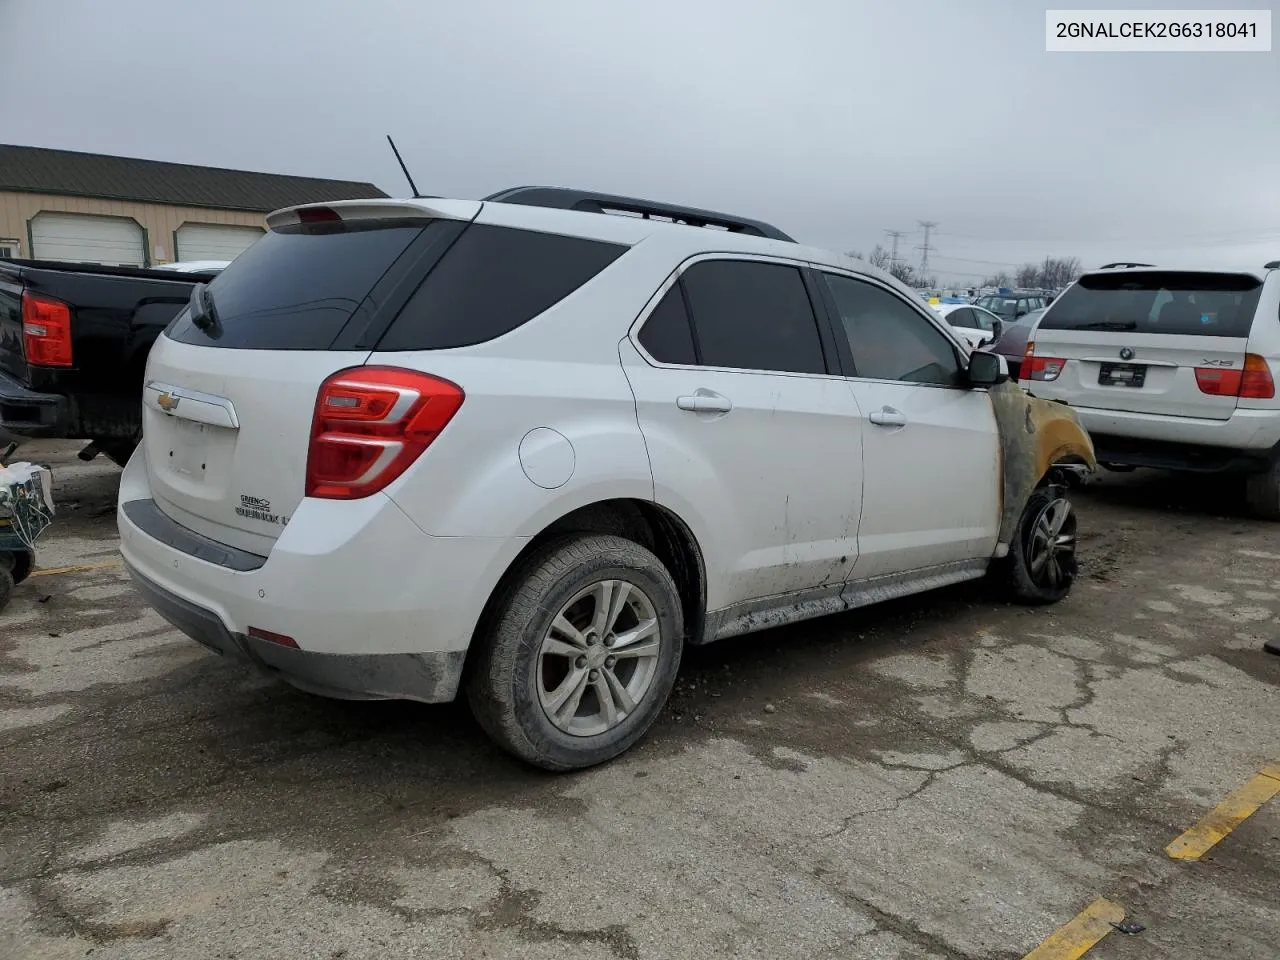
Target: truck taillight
{"points": [[1254, 382], [1040, 368], [46, 331], [370, 424]]}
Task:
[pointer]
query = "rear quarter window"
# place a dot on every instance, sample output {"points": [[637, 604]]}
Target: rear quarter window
{"points": [[493, 280], [1183, 303], [297, 287]]}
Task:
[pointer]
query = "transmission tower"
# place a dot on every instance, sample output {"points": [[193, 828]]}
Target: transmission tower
{"points": [[924, 247], [894, 236]]}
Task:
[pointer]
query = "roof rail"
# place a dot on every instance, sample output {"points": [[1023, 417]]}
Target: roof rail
{"points": [[1112, 266], [561, 198]]}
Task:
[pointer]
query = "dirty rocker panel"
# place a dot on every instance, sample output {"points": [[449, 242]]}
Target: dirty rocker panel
{"points": [[776, 611]]}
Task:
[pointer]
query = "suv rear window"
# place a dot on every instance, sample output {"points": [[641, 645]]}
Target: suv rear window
{"points": [[492, 280], [296, 288], [1186, 303]]}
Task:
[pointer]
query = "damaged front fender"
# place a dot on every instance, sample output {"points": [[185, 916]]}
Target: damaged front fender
{"points": [[1036, 437]]}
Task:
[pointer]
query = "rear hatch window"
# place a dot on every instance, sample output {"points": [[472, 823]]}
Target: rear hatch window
{"points": [[1159, 302], [297, 287]]}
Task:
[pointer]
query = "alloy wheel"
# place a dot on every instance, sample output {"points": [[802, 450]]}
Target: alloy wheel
{"points": [[598, 659]]}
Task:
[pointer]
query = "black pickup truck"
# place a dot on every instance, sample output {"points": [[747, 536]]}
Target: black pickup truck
{"points": [[74, 341]]}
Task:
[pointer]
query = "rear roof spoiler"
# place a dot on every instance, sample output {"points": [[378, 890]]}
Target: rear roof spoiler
{"points": [[561, 198], [425, 208]]}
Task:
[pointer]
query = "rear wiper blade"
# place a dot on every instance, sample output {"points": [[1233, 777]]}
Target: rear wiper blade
{"points": [[1107, 325], [203, 312]]}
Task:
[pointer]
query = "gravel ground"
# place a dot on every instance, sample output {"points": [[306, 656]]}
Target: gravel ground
{"points": [[941, 777]]}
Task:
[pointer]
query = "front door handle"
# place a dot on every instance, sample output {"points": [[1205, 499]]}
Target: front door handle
{"points": [[888, 417], [705, 401]]}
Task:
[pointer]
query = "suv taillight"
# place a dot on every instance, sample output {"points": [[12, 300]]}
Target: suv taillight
{"points": [[46, 331], [1254, 382], [370, 424], [1040, 368]]}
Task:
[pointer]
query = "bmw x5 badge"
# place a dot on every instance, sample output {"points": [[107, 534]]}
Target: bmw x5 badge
{"points": [[1126, 353]]}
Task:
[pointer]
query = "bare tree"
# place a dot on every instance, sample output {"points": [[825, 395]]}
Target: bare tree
{"points": [[901, 270], [880, 258]]}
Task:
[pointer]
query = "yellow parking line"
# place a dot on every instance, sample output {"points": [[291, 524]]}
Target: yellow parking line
{"points": [[1230, 813], [1078, 936], [80, 568]]}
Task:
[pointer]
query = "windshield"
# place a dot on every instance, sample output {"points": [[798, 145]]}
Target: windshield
{"points": [[1184, 303]]}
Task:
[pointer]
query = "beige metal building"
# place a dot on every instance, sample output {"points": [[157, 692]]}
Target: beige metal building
{"points": [[93, 208]]}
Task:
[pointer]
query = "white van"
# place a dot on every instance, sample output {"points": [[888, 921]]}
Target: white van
{"points": [[1173, 369]]}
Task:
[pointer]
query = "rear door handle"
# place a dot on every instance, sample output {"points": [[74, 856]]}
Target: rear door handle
{"points": [[888, 417], [705, 401]]}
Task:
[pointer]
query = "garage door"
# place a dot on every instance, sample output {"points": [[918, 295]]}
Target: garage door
{"points": [[86, 239], [213, 241]]}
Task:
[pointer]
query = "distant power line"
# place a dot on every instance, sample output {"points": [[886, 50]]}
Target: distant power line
{"points": [[895, 236], [927, 225]]}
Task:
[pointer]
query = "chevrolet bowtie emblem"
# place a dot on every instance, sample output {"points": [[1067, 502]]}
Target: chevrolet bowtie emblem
{"points": [[168, 402]]}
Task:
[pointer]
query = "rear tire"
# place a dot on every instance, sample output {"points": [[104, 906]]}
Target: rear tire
{"points": [[546, 686], [1041, 566], [6, 587], [1262, 493]]}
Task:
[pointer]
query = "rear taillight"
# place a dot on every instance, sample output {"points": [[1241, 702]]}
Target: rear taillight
{"points": [[1254, 382], [1040, 368], [370, 424], [46, 331]]}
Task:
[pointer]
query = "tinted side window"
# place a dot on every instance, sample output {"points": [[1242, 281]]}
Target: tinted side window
{"points": [[295, 289], [960, 318], [492, 280], [753, 316], [666, 334], [888, 339], [980, 320]]}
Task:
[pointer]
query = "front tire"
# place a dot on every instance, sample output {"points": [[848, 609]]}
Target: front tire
{"points": [[1041, 566], [582, 653]]}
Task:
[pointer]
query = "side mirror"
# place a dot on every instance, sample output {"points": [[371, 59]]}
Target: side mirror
{"points": [[987, 369], [997, 330]]}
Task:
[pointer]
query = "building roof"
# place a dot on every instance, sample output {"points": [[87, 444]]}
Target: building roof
{"points": [[71, 173]]}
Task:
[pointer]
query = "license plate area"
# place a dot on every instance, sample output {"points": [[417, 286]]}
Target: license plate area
{"points": [[1122, 375], [187, 448]]}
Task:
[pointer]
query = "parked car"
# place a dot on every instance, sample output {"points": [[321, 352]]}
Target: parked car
{"points": [[1010, 307], [527, 449], [1012, 344], [1174, 369], [73, 346], [977, 326]]}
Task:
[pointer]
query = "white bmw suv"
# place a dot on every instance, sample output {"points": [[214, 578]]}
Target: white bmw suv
{"points": [[1173, 369], [528, 448]]}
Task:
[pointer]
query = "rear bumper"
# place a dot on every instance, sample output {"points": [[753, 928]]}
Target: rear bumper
{"points": [[377, 608], [26, 413], [1242, 442], [428, 677]]}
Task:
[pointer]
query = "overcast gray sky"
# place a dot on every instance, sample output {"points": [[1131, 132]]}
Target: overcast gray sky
{"points": [[834, 119]]}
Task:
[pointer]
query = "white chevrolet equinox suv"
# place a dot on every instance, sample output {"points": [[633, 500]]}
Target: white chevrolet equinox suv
{"points": [[528, 447], [1173, 369]]}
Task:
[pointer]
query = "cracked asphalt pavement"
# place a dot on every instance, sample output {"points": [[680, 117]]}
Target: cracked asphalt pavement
{"points": [[943, 777]]}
